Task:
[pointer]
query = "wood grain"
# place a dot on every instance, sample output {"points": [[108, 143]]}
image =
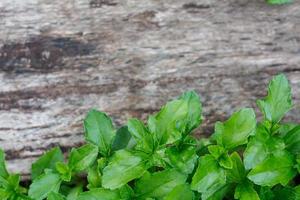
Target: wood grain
{"points": [[58, 59]]}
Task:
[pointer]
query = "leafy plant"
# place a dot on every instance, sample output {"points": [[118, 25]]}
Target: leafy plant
{"points": [[243, 159], [279, 2]]}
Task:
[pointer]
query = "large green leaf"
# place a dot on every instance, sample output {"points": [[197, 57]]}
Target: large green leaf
{"points": [[209, 177], [83, 157], [43, 185], [99, 131], [177, 118], [236, 130], [158, 184], [123, 139], [99, 194], [245, 191], [279, 98], [3, 170], [123, 167], [278, 168], [181, 192], [55, 196], [183, 159], [46, 161]]}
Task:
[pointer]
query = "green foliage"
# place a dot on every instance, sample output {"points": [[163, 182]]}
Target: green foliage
{"points": [[244, 159], [279, 2]]}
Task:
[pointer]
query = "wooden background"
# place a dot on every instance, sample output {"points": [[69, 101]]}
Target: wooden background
{"points": [[59, 58]]}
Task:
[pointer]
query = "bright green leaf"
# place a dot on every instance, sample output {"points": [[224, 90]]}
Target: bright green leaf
{"points": [[279, 98], [181, 192], [209, 177], [3, 170], [46, 161], [99, 194], [245, 191], [279, 2], [83, 157], [43, 185], [99, 130], [276, 169], [238, 172], [236, 130], [292, 140], [55, 196], [123, 167], [158, 184]]}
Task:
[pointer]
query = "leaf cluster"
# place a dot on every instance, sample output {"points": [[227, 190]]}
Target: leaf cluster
{"points": [[160, 160]]}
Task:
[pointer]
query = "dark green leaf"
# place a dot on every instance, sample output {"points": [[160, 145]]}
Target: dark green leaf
{"points": [[123, 139], [99, 131], [158, 184], [236, 130], [74, 192], [123, 167], [209, 177], [279, 99], [237, 173], [292, 140], [83, 157], [43, 185], [46, 161]]}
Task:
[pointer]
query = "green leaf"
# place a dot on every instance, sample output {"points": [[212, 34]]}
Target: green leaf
{"points": [[43, 185], [141, 135], [276, 169], [82, 157], [55, 196], [94, 177], [221, 155], [123, 139], [123, 167], [286, 193], [292, 140], [64, 171], [236, 130], [99, 194], [99, 130], [245, 191], [3, 170], [158, 184], [74, 192], [181, 192], [176, 119], [237, 173], [279, 98], [46, 161], [126, 192], [279, 2], [209, 177], [183, 159]]}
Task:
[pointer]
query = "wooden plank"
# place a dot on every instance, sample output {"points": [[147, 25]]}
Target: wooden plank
{"points": [[59, 58]]}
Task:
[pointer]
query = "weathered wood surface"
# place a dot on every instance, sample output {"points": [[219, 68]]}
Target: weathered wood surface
{"points": [[59, 58]]}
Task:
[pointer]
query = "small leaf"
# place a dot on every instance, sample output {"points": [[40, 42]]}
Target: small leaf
{"points": [[99, 194], [94, 177], [183, 159], [3, 170], [245, 191], [123, 167], [43, 185], [279, 99], [82, 157], [236, 130], [141, 135], [221, 155], [276, 169], [64, 171], [46, 161], [181, 192], [99, 131], [209, 177], [279, 2], [158, 184], [74, 192], [123, 139], [292, 140], [237, 173]]}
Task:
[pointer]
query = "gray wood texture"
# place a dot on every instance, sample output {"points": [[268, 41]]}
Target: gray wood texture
{"points": [[60, 58]]}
